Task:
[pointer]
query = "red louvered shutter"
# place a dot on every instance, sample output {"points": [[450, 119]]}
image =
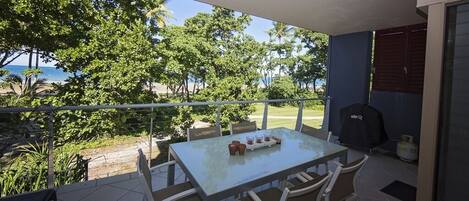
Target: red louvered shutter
{"points": [[389, 59], [417, 38], [399, 59]]}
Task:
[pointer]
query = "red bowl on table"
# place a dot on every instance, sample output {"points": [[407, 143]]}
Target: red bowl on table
{"points": [[233, 148], [241, 149]]}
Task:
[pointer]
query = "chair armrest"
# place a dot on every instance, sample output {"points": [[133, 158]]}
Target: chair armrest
{"points": [[301, 177], [337, 163], [254, 196], [181, 195], [289, 185], [333, 180], [306, 176], [162, 165]]}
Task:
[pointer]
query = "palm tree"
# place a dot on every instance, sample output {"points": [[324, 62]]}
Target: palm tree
{"points": [[159, 15], [280, 31], [20, 86], [157, 18]]}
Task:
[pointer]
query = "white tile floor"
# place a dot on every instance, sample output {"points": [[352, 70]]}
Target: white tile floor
{"points": [[379, 171]]}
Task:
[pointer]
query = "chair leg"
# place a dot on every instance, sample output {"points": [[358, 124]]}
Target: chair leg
{"points": [[283, 183]]}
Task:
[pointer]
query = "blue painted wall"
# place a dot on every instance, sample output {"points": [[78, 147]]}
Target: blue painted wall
{"points": [[349, 68], [402, 113]]}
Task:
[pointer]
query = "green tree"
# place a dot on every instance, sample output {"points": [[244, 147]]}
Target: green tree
{"points": [[19, 86], [41, 25], [281, 43], [283, 88], [312, 58], [212, 51], [112, 66], [182, 58], [158, 15], [228, 89], [211, 47]]}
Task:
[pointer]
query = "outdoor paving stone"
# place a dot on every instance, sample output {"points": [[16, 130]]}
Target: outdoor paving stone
{"points": [[132, 196], [76, 195], [113, 179], [128, 184], [105, 193], [76, 186]]}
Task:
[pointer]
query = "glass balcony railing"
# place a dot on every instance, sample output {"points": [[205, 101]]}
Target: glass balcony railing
{"points": [[50, 146]]}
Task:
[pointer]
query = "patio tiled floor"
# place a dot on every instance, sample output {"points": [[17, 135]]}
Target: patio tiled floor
{"points": [[379, 171]]}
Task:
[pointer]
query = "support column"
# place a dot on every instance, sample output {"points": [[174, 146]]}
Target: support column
{"points": [[431, 101]]}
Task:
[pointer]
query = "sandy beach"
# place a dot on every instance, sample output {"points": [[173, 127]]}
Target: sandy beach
{"points": [[156, 88]]}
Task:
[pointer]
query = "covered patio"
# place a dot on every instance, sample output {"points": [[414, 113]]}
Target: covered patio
{"points": [[379, 171], [357, 70]]}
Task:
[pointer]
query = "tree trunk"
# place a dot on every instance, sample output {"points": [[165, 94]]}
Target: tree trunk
{"points": [[193, 87], [187, 89], [150, 86], [314, 85], [167, 93], [37, 62], [179, 88], [30, 64]]}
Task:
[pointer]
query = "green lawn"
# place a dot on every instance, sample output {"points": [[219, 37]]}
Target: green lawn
{"points": [[286, 112], [287, 123]]}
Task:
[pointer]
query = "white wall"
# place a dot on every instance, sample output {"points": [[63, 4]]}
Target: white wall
{"points": [[424, 3]]}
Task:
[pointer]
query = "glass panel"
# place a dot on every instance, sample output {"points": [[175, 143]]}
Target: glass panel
{"points": [[454, 129], [258, 114], [279, 115], [313, 114]]}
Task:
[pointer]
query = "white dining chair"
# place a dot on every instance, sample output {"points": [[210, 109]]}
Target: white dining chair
{"points": [[309, 190], [181, 192]]}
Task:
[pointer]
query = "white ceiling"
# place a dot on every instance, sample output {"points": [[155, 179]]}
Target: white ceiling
{"points": [[333, 17]]}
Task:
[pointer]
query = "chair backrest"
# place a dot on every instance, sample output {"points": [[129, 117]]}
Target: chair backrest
{"points": [[310, 190], [203, 133], [144, 174], [243, 127], [343, 181], [318, 133]]}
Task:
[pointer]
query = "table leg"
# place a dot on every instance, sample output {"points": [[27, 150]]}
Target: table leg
{"points": [[344, 157], [170, 178]]}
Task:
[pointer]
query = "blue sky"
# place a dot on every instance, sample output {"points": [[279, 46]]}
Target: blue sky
{"points": [[183, 9]]}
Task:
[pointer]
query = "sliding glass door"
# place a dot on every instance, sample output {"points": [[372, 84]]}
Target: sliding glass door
{"points": [[453, 157]]}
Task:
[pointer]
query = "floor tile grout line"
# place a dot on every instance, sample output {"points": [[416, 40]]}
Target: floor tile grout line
{"points": [[123, 195], [131, 190], [90, 193]]}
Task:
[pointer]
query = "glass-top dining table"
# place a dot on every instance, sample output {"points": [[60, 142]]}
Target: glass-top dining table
{"points": [[217, 175]]}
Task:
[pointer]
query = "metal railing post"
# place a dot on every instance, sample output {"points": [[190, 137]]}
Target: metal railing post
{"points": [[50, 151], [218, 120], [151, 137], [299, 118], [264, 116]]}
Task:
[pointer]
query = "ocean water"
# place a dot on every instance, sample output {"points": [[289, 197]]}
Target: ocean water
{"points": [[51, 74]]}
